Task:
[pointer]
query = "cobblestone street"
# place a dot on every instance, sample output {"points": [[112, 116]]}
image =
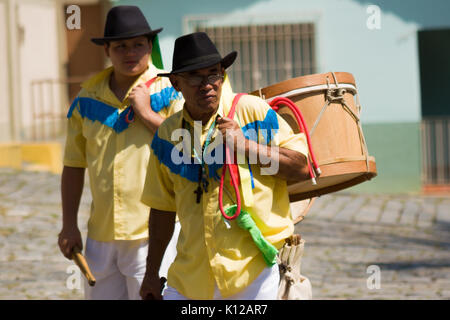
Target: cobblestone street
{"points": [[406, 236]]}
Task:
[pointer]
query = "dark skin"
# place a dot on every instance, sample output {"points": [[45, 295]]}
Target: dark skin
{"points": [[202, 103]]}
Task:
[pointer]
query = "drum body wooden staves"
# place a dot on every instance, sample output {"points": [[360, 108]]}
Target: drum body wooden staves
{"points": [[327, 102]]}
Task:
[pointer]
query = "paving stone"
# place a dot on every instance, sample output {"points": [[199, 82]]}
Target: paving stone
{"points": [[370, 213], [409, 213], [391, 212], [443, 213], [326, 209], [351, 208], [427, 213]]}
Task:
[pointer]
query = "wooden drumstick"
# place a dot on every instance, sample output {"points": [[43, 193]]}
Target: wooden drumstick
{"points": [[82, 264]]}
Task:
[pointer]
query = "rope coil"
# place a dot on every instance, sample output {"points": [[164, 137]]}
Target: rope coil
{"points": [[312, 164], [313, 167]]}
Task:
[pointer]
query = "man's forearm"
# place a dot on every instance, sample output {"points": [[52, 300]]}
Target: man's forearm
{"points": [[160, 227], [72, 183], [291, 165], [152, 121]]}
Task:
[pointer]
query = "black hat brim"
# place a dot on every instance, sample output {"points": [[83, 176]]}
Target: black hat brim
{"points": [[102, 41], [225, 62]]}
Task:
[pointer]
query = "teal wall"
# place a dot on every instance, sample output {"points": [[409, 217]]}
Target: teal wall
{"points": [[385, 62], [397, 152]]}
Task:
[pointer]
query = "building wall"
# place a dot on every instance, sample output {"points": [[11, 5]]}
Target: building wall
{"points": [[384, 62], [396, 147], [30, 31], [38, 58], [5, 133]]}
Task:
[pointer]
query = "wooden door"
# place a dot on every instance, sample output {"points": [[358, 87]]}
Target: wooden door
{"points": [[85, 57]]}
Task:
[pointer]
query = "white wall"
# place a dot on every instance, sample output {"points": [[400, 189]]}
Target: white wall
{"points": [[38, 56], [5, 132]]}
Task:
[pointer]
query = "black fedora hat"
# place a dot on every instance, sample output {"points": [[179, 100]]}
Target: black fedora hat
{"points": [[124, 22], [196, 51]]}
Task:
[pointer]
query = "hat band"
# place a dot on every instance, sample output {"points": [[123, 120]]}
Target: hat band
{"points": [[202, 59], [128, 33]]}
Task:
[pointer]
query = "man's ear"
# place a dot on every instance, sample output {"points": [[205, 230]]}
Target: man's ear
{"points": [[174, 82], [150, 46], [106, 47]]}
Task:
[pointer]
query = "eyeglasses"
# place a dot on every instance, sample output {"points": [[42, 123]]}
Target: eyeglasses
{"points": [[198, 80]]}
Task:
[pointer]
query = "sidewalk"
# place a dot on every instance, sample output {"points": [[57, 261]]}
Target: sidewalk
{"points": [[406, 237]]}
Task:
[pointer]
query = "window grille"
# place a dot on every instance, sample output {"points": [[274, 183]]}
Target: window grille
{"points": [[267, 54], [436, 150]]}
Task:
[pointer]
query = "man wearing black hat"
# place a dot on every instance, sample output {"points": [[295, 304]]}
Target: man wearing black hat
{"points": [[217, 257], [110, 127]]}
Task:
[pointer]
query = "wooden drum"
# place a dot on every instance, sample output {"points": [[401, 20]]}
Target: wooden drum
{"points": [[327, 103]]}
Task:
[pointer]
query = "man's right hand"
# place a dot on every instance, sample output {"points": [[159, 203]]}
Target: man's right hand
{"points": [[151, 288], [68, 239]]}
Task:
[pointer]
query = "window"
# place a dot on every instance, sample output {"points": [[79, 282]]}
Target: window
{"points": [[267, 54]]}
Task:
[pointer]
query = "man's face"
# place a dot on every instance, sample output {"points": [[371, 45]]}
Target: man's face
{"points": [[129, 56], [201, 99]]}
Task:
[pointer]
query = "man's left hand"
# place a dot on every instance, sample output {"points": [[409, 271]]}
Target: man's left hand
{"points": [[140, 100]]}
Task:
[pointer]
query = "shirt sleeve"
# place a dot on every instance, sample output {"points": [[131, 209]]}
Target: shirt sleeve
{"points": [[167, 101], [74, 151], [289, 140], [175, 104], [274, 129], [158, 190]]}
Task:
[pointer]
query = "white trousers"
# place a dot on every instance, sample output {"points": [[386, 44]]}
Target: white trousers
{"points": [[119, 267], [264, 287]]}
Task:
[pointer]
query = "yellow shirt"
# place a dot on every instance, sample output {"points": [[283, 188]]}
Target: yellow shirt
{"points": [[115, 152], [208, 252]]}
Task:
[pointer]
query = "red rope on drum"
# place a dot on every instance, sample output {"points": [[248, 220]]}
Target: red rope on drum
{"points": [[127, 116], [275, 104]]}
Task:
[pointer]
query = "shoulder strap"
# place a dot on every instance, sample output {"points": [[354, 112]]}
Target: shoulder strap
{"points": [[149, 82], [234, 104]]}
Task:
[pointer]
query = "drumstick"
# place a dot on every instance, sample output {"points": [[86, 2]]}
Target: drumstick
{"points": [[82, 264]]}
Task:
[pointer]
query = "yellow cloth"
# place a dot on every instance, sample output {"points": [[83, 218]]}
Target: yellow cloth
{"points": [[208, 252], [115, 153]]}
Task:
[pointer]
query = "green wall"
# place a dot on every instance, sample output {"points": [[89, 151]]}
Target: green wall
{"points": [[396, 148]]}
